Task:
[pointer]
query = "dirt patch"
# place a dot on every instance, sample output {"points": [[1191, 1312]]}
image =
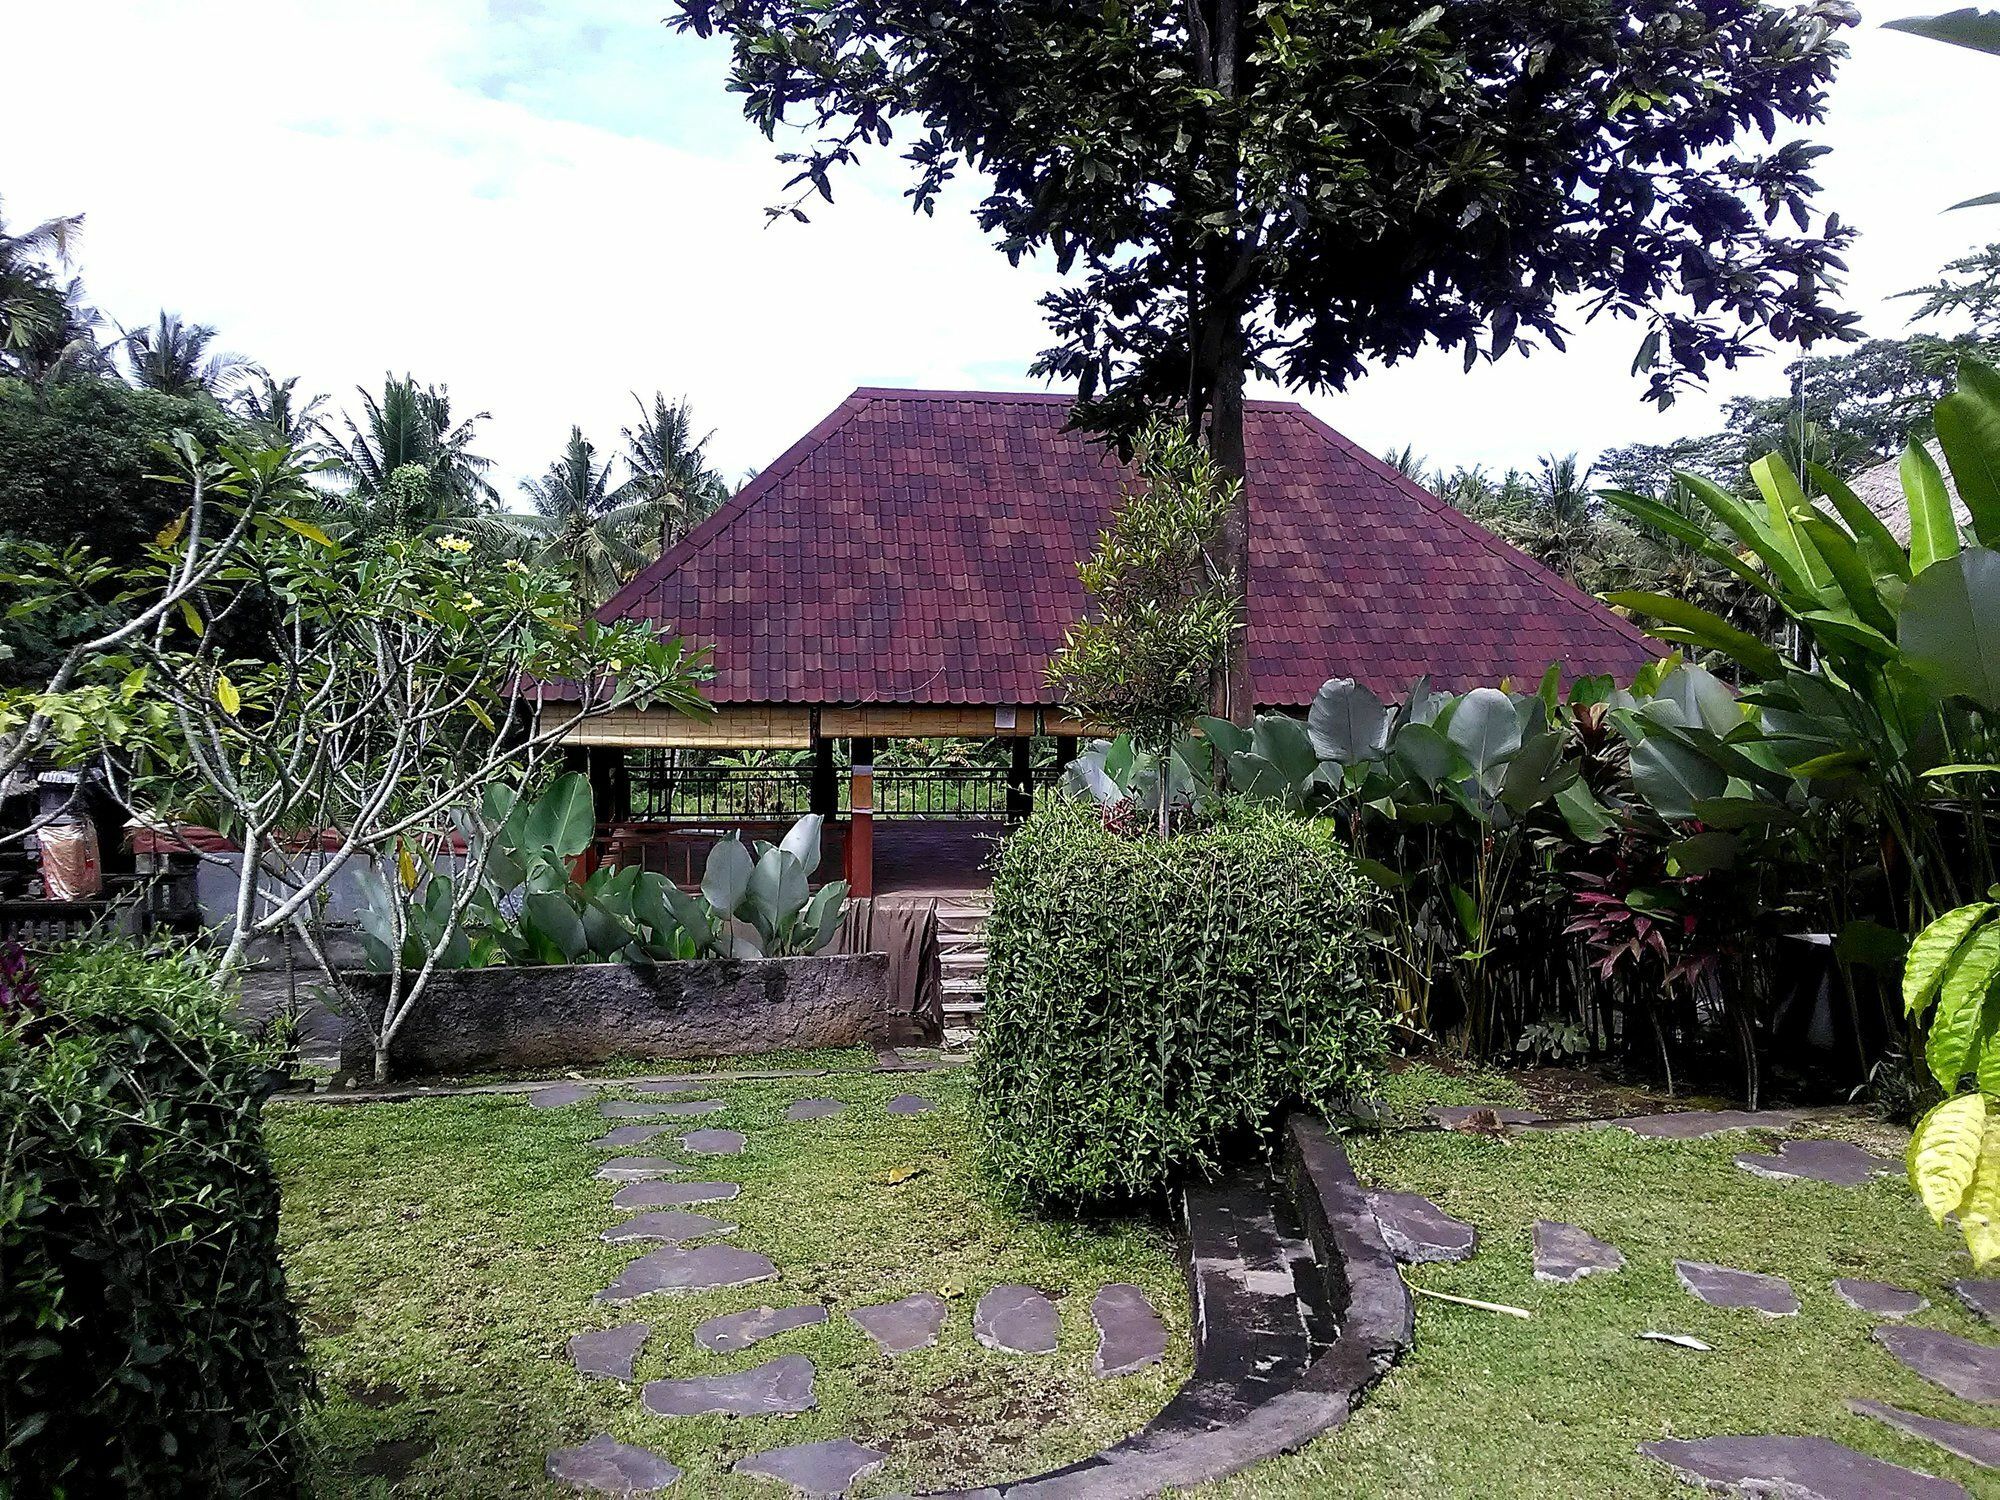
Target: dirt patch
{"points": [[392, 1460]]}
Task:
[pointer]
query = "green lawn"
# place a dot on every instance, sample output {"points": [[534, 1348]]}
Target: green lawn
{"points": [[444, 1250]]}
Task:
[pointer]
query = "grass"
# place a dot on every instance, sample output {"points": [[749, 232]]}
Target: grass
{"points": [[1490, 1406], [444, 1250]]}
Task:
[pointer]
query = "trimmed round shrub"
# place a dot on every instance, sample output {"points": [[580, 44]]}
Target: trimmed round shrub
{"points": [[1152, 1005], [147, 1345]]}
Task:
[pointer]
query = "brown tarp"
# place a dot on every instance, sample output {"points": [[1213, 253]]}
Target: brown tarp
{"points": [[906, 929]]}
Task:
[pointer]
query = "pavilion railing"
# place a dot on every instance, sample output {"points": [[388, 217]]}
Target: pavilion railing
{"points": [[664, 792]]}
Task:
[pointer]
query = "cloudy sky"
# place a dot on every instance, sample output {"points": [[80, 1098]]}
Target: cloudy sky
{"points": [[549, 204]]}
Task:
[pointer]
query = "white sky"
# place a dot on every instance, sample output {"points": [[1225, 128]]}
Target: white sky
{"points": [[548, 204]]}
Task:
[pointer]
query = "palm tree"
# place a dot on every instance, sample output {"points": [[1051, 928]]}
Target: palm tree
{"points": [[271, 408], [580, 524], [173, 357], [1562, 518], [1407, 462], [408, 466], [32, 304], [671, 478], [66, 343]]}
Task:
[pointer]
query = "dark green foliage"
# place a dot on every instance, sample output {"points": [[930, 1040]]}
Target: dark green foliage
{"points": [[147, 1345], [1152, 1002]]}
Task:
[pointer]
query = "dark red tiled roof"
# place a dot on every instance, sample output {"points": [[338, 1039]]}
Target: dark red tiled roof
{"points": [[921, 547]]}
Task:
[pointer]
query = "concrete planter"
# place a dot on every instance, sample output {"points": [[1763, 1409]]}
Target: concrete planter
{"points": [[501, 1019]]}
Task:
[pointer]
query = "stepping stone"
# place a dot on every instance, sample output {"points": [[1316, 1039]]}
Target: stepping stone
{"points": [[814, 1109], [649, 1109], [560, 1096], [1418, 1232], [608, 1467], [608, 1354], [1878, 1298], [714, 1142], [669, 1085], [638, 1168], [1979, 1445], [1016, 1320], [1969, 1371], [1724, 1286], [739, 1330], [673, 1269], [671, 1225], [1452, 1116], [1798, 1468], [899, 1327], [1692, 1124], [910, 1104], [1130, 1335], [1982, 1297], [623, 1136], [1841, 1163], [782, 1386], [672, 1194], [1565, 1253], [827, 1468]]}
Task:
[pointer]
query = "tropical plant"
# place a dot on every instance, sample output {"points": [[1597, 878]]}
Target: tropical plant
{"points": [[1304, 189], [579, 525], [671, 478], [1976, 29], [174, 357], [1144, 659], [32, 304], [1953, 974], [409, 467], [277, 417]]}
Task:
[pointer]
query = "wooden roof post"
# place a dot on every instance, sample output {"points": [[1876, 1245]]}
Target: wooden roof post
{"points": [[824, 795], [1020, 781], [861, 807]]}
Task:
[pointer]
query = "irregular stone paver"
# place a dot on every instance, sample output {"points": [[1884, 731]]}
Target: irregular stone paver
{"points": [[1841, 1163], [1725, 1286], [1418, 1232], [1692, 1124], [1016, 1320], [560, 1096], [1130, 1335], [608, 1354], [1979, 1445], [672, 1194], [1565, 1253], [1795, 1468], [1969, 1371], [783, 1385], [826, 1468], [1451, 1116], [1982, 1297], [898, 1327], [638, 1168], [1878, 1298], [609, 1467], [676, 1270], [623, 1136], [669, 1085], [714, 1142], [739, 1330], [660, 1109], [910, 1104], [814, 1109], [671, 1225]]}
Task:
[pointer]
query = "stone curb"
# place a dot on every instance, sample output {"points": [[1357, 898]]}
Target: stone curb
{"points": [[694, 1081]]}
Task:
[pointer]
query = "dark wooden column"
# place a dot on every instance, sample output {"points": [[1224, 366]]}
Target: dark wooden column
{"points": [[824, 794], [861, 809], [1020, 780], [610, 783], [1065, 750]]}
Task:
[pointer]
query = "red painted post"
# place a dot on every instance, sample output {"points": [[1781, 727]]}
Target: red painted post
{"points": [[861, 810]]}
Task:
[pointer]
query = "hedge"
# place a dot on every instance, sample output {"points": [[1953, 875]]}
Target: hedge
{"points": [[147, 1345], [1153, 1004]]}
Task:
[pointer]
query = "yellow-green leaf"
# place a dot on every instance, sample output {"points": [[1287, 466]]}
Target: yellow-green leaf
{"points": [[1945, 1153], [227, 696], [485, 719], [1931, 951], [171, 532], [193, 620], [406, 867], [1979, 1212], [1961, 1008], [306, 529]]}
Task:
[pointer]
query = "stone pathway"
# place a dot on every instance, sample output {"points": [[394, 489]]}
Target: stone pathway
{"points": [[1841, 1163], [714, 1142], [638, 1168], [622, 1137], [1981, 1297], [707, 1269], [739, 1330], [783, 1386], [1694, 1124], [672, 1194], [1130, 1335], [827, 1468], [673, 1225], [814, 1109], [1725, 1286], [910, 1104], [665, 1109], [1016, 1320], [608, 1355], [1418, 1232], [901, 1326], [1878, 1298], [1979, 1445], [1565, 1253], [612, 1468], [1969, 1371], [561, 1095], [1457, 1116], [1813, 1468]]}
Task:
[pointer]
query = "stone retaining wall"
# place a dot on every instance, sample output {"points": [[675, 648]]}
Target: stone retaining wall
{"points": [[563, 1016]]}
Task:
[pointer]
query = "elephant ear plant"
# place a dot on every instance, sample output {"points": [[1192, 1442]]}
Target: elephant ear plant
{"points": [[528, 906]]}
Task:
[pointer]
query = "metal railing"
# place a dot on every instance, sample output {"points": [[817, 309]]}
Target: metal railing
{"points": [[666, 793]]}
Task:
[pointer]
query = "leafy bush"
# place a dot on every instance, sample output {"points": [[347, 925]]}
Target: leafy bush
{"points": [[1150, 1001], [147, 1346]]}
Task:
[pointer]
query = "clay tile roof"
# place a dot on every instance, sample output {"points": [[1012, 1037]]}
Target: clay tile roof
{"points": [[921, 547]]}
